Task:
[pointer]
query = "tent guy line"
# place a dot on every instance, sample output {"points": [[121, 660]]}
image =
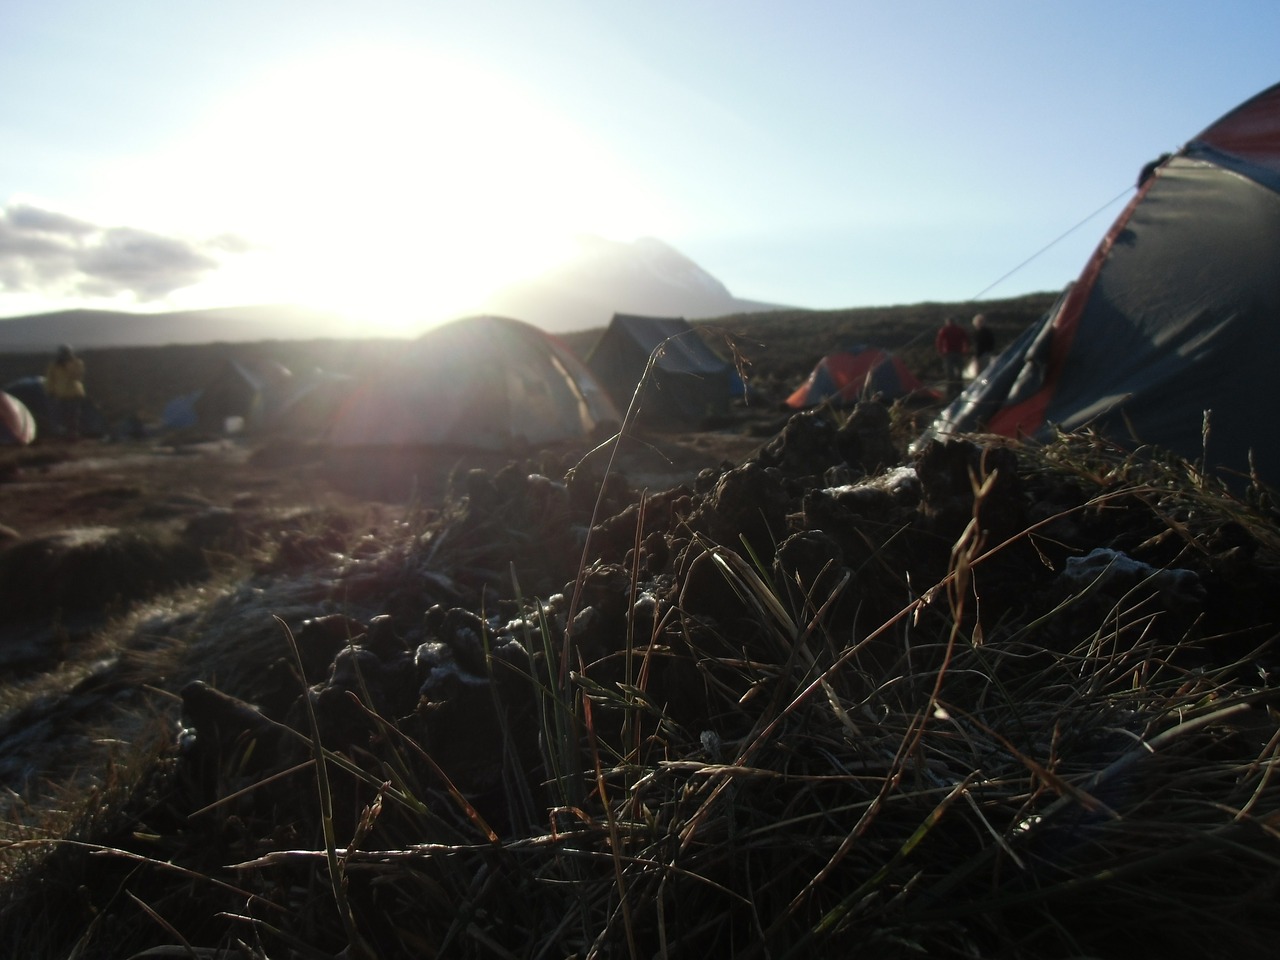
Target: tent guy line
{"points": [[1053, 243]]}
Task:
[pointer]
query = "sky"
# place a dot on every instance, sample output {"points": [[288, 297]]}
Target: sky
{"points": [[396, 160]]}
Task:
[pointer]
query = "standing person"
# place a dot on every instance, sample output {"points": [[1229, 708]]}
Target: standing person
{"points": [[952, 343], [984, 342], [64, 386]]}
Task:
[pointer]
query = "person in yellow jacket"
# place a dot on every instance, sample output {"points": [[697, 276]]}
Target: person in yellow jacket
{"points": [[64, 386]]}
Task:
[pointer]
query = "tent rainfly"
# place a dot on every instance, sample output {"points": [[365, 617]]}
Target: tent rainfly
{"points": [[17, 425], [483, 382], [855, 374], [1175, 318], [686, 381]]}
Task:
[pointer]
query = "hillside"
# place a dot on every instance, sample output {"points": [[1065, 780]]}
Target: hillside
{"points": [[794, 339]]}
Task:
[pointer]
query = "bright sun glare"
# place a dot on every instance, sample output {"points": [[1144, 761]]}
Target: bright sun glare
{"points": [[396, 186]]}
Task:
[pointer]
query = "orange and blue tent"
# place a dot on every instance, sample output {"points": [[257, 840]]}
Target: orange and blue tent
{"points": [[859, 373]]}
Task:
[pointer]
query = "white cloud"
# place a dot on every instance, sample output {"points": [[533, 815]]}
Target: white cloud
{"points": [[48, 253]]}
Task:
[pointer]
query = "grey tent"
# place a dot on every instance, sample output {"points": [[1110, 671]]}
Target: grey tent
{"points": [[686, 382], [1176, 314], [242, 391], [487, 383]]}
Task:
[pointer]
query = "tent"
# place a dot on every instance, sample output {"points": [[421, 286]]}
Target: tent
{"points": [[180, 412], [29, 391], [483, 382], [851, 375], [686, 382], [17, 425], [1176, 313], [309, 405], [240, 392], [259, 396]]}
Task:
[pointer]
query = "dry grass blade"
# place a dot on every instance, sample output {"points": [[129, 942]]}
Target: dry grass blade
{"points": [[355, 940]]}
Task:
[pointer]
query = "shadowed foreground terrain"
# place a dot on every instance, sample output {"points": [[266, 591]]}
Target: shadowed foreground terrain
{"points": [[781, 689]]}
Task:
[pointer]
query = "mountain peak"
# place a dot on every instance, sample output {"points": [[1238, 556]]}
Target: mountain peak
{"points": [[643, 258], [604, 277]]}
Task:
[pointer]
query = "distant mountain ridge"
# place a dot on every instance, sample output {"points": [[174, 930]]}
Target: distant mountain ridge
{"points": [[604, 277], [87, 329]]}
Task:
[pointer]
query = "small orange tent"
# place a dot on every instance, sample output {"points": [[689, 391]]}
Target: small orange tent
{"points": [[851, 375]]}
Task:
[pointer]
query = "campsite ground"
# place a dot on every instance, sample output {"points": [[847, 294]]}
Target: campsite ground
{"points": [[828, 644]]}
